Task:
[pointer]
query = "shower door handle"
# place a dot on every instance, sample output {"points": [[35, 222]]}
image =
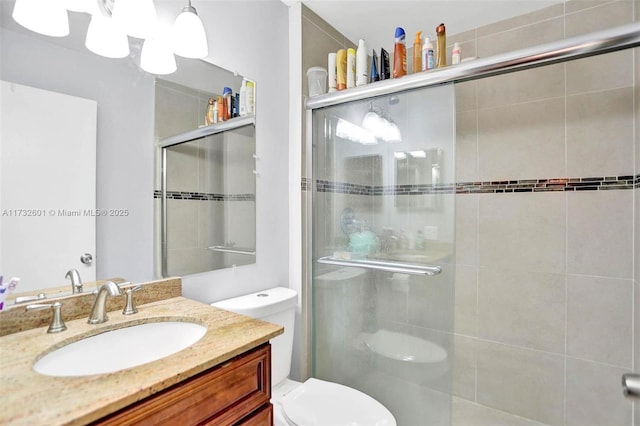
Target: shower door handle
{"points": [[631, 385], [403, 268]]}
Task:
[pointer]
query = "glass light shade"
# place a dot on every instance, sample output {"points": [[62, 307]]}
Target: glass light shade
{"points": [[105, 38], [354, 133], [136, 17], [47, 17], [189, 38], [157, 58]]}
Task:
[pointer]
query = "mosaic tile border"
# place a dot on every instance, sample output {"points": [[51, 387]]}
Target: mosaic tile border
{"points": [[487, 187], [201, 196]]}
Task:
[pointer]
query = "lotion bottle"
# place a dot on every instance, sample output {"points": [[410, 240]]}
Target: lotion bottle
{"points": [[341, 69], [417, 53], [332, 72], [361, 64], [455, 54], [441, 51], [351, 68], [428, 60], [399, 54]]}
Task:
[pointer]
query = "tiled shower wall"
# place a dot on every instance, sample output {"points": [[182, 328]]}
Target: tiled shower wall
{"points": [[547, 288], [545, 280]]}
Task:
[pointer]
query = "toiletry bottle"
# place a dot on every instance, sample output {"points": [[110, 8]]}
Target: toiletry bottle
{"points": [[361, 64], [227, 103], [455, 54], [220, 109], [208, 117], [251, 97], [351, 68], [399, 55], [341, 69], [374, 67], [441, 50], [427, 55], [215, 112], [417, 53], [385, 71], [243, 98], [331, 66]]}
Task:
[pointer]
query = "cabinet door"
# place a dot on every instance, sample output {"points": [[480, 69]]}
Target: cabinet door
{"points": [[224, 395]]}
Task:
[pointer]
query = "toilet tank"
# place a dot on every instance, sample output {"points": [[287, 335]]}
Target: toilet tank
{"points": [[276, 305]]}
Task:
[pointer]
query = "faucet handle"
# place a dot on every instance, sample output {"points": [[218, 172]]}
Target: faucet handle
{"points": [[130, 307], [57, 324]]}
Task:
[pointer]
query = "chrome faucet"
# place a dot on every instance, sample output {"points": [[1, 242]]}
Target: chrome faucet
{"points": [[76, 282], [98, 313]]}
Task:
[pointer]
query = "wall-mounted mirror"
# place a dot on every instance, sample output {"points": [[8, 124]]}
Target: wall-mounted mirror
{"points": [[417, 170], [205, 186], [122, 179]]}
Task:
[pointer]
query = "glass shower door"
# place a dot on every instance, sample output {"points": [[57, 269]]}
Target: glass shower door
{"points": [[383, 250]]}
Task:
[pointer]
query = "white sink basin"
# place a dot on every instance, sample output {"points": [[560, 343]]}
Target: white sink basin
{"points": [[120, 348]]}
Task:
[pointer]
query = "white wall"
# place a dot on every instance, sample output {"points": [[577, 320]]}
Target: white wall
{"points": [[251, 37]]}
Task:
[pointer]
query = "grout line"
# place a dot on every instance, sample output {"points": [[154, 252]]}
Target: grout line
{"points": [[566, 234]]}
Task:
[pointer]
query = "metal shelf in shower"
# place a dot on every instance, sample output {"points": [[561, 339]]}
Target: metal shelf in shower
{"points": [[596, 43]]}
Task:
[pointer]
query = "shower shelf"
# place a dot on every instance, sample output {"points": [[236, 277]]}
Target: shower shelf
{"points": [[403, 268], [224, 126]]}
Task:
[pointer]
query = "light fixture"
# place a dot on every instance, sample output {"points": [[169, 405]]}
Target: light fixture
{"points": [[112, 21], [45, 17], [105, 38], [189, 38], [157, 57], [354, 133], [382, 126]]}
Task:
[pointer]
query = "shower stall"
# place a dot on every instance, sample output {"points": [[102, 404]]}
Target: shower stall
{"points": [[434, 321], [384, 249]]}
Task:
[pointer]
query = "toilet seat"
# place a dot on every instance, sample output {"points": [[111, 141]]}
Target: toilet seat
{"points": [[320, 403]]}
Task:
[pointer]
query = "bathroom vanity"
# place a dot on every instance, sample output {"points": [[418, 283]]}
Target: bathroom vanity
{"points": [[223, 378]]}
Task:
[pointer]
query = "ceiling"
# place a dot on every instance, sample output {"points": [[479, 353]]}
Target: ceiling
{"points": [[376, 20]]}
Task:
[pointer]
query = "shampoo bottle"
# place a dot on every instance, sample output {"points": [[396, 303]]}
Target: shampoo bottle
{"points": [[341, 69], [361, 64], [385, 71], [243, 98], [220, 109], [399, 55], [374, 67], [351, 68], [251, 97], [428, 61], [332, 72], [208, 117], [417, 53], [441, 50]]}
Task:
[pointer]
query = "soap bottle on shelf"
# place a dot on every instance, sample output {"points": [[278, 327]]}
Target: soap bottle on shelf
{"points": [[455, 54], [208, 117], [441, 51], [399, 55], [361, 64], [417, 53], [428, 60]]}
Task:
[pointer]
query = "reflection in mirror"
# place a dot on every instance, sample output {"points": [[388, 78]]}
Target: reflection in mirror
{"points": [[418, 169], [209, 202], [38, 166], [207, 213]]}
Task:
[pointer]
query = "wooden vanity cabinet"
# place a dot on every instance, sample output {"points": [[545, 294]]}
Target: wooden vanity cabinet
{"points": [[234, 393]]}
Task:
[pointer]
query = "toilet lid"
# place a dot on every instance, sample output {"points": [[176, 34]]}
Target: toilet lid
{"points": [[320, 403]]}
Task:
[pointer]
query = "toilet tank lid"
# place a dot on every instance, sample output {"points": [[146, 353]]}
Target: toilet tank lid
{"points": [[261, 303]]}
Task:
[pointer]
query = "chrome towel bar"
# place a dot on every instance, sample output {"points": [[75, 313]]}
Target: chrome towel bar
{"points": [[235, 250], [403, 268]]}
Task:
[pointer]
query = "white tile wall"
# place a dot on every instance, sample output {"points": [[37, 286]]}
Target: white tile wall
{"points": [[547, 283]]}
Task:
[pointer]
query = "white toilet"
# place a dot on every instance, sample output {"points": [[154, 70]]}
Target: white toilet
{"points": [[314, 402]]}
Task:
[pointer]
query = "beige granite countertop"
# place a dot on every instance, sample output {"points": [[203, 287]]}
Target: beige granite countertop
{"points": [[28, 398]]}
